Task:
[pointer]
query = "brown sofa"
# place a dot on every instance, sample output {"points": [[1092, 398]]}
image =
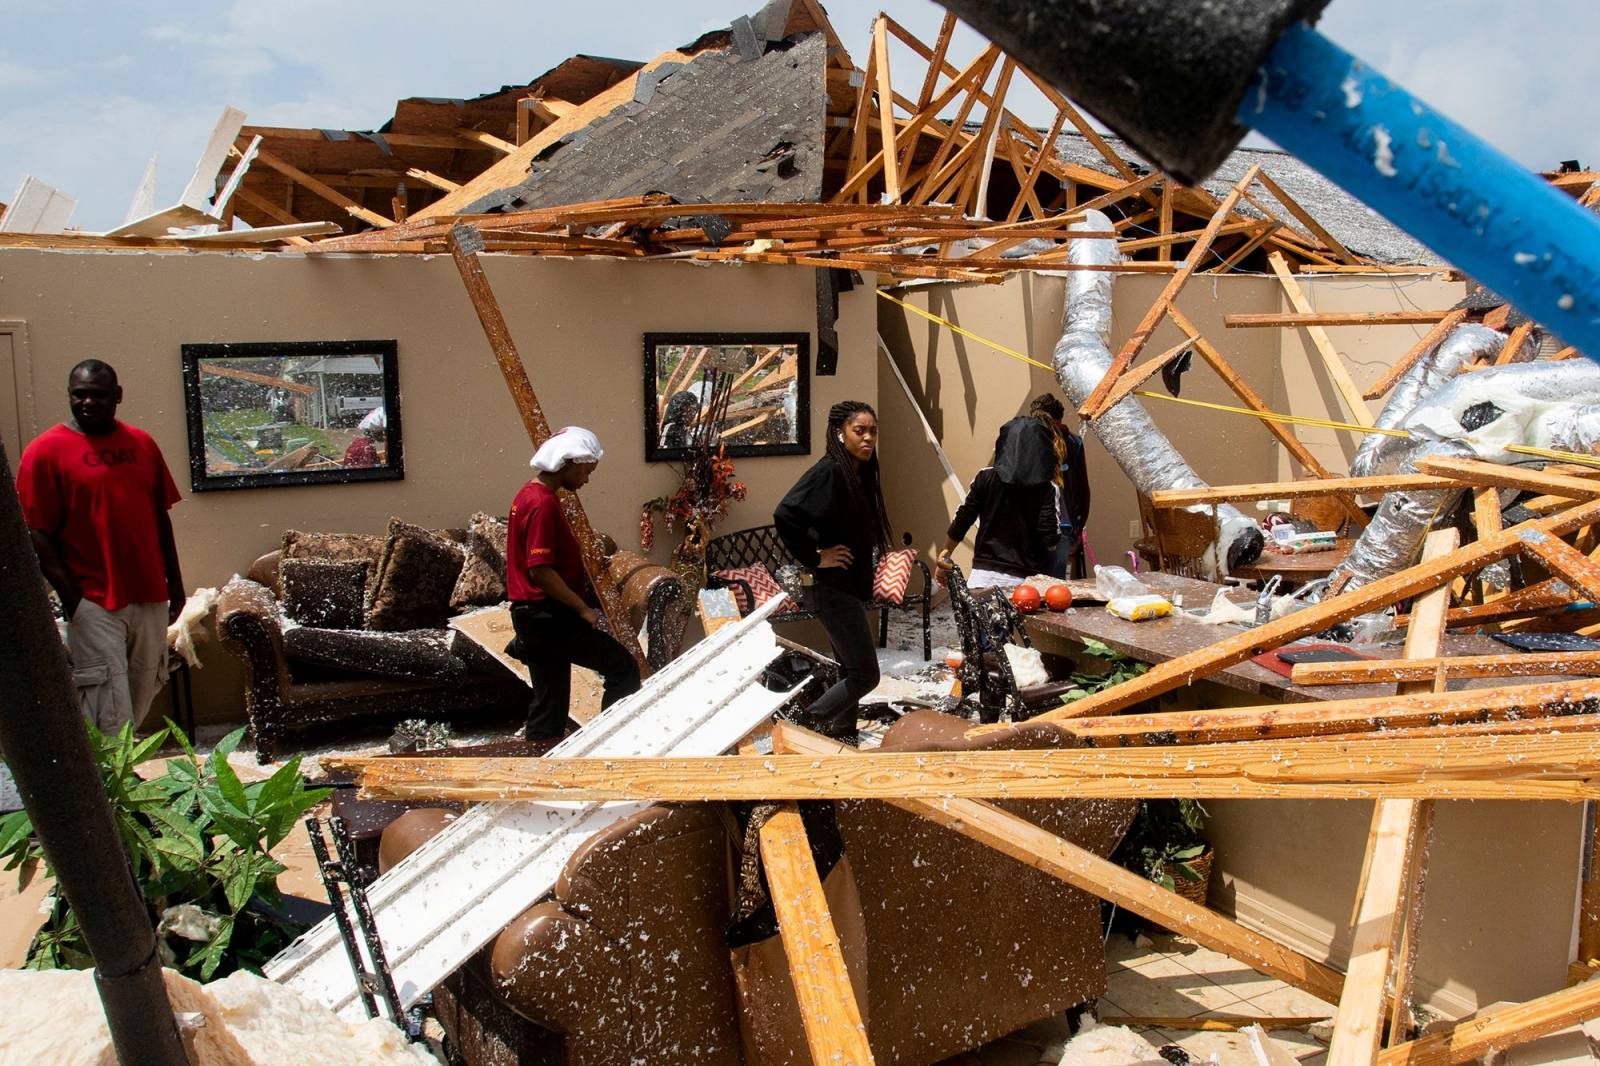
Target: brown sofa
{"points": [[950, 944], [283, 696]]}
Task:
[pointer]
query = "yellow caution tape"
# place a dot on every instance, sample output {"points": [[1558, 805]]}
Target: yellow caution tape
{"points": [[1265, 416]]}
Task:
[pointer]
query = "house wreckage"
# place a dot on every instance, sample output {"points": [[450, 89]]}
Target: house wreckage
{"points": [[1472, 497]]}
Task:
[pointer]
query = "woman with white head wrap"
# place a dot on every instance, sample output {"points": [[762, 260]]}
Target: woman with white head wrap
{"points": [[546, 583]]}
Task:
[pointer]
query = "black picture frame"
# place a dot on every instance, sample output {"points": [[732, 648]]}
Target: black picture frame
{"points": [[800, 444], [203, 479]]}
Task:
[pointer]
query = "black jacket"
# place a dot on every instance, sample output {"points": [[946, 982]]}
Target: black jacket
{"points": [[1075, 475], [1018, 527], [818, 513]]}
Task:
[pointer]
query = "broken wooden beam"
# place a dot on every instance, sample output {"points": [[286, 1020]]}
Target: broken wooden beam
{"points": [[1278, 721], [1299, 490], [828, 1008], [1515, 664], [1493, 767], [1498, 1027], [1500, 475], [1332, 318]]}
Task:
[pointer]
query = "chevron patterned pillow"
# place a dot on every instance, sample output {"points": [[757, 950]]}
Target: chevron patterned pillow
{"points": [[893, 576]]}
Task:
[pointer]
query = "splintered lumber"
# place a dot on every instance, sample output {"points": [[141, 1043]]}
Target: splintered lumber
{"points": [[1095, 404], [1523, 664], [1498, 1028], [1566, 562], [891, 170], [465, 244], [1513, 344], [1029, 844], [1358, 1024], [1138, 375], [1305, 218], [1333, 318], [828, 1009], [1492, 767], [1299, 490], [1331, 359], [1499, 475], [1175, 673], [1210, 1023], [1550, 698]]}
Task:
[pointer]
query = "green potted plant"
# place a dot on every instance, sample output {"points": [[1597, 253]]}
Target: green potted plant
{"points": [[1167, 844]]}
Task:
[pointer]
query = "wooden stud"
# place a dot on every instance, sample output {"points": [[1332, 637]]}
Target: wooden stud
{"points": [[1264, 232], [880, 56], [1514, 664], [1174, 673], [1164, 246], [1513, 344], [480, 139], [1138, 375], [1094, 406], [863, 116], [1334, 717], [1032, 177], [1333, 318], [538, 430], [1331, 359], [428, 178], [1498, 475], [1566, 562], [1035, 847], [333, 196], [989, 134], [828, 1007], [1306, 218], [1558, 767], [1298, 490]]}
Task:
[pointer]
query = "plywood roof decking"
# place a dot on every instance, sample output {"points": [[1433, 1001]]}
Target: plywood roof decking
{"points": [[709, 129]]}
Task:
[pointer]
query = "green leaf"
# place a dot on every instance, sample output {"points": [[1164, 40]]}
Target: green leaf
{"points": [[183, 741], [228, 783], [208, 958], [230, 743], [148, 747], [1188, 871], [1185, 854]]}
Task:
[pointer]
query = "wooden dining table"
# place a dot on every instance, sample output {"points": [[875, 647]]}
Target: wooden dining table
{"points": [[1296, 569], [1160, 639]]}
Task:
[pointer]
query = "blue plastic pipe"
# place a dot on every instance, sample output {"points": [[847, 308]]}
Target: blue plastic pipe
{"points": [[1470, 203]]}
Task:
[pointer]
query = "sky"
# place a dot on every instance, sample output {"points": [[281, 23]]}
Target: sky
{"points": [[89, 91]]}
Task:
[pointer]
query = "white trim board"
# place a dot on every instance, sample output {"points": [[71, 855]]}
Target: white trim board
{"points": [[447, 899]]}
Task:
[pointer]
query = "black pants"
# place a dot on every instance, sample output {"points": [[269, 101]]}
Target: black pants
{"points": [[551, 638], [845, 618]]}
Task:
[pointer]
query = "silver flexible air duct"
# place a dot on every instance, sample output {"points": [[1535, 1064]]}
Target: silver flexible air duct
{"points": [[1083, 356], [1380, 454], [1471, 416]]}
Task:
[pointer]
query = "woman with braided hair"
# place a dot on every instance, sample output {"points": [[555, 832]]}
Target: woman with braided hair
{"points": [[832, 521]]}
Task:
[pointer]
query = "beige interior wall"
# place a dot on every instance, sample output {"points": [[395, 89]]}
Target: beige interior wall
{"points": [[968, 390], [578, 324], [1303, 387]]}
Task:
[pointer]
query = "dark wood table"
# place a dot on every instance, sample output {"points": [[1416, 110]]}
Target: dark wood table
{"points": [[1307, 566], [1161, 639]]}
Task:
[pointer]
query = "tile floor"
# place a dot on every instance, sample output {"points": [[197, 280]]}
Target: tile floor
{"points": [[1170, 977]]}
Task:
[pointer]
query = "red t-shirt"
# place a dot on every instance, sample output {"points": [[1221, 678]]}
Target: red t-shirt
{"points": [[537, 535], [99, 497]]}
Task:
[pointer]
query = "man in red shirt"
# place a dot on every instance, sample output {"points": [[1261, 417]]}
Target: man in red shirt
{"points": [[95, 494], [545, 581]]}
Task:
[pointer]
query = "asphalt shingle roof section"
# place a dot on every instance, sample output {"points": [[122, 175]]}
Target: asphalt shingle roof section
{"points": [[714, 129]]}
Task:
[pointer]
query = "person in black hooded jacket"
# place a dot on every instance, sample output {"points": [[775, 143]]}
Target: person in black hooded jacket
{"points": [[833, 520], [1016, 504]]}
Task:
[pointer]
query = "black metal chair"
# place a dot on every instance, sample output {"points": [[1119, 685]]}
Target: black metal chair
{"points": [[761, 544], [986, 625]]}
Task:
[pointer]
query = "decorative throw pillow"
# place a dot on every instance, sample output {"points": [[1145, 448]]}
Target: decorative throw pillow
{"points": [[483, 579], [416, 574], [342, 547], [893, 577], [323, 592], [760, 581], [423, 654]]}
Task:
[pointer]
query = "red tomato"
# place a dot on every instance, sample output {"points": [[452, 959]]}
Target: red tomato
{"points": [[1025, 598], [1058, 597]]}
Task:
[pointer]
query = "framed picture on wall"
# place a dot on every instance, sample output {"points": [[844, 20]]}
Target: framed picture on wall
{"points": [[750, 391], [292, 413]]}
